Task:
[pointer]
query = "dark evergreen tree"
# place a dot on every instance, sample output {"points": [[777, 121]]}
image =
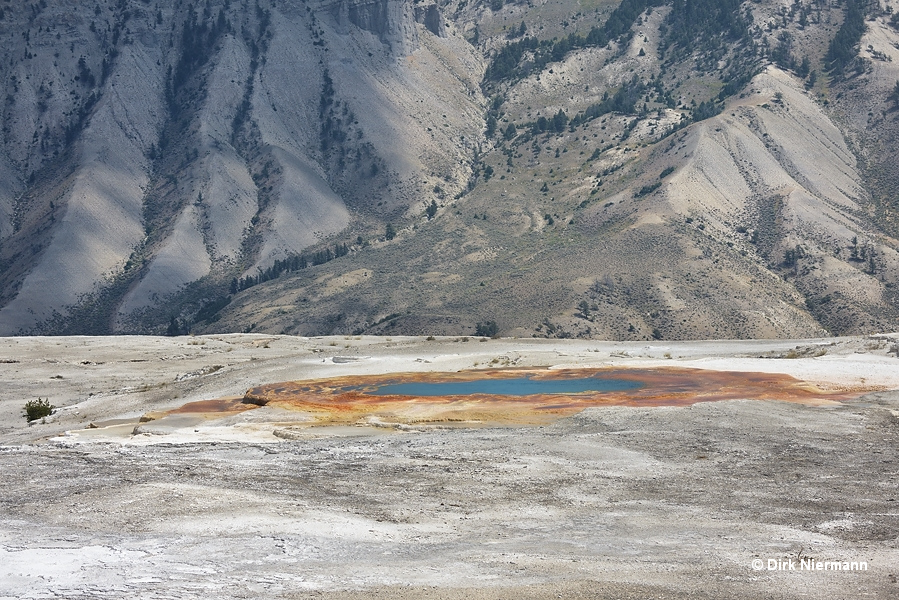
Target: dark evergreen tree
{"points": [[174, 328], [491, 126], [560, 120], [843, 48], [487, 329], [894, 96]]}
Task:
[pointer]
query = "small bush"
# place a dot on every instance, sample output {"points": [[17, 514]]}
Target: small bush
{"points": [[38, 409], [648, 189]]}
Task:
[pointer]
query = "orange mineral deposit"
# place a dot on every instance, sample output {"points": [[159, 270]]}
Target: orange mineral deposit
{"points": [[524, 396]]}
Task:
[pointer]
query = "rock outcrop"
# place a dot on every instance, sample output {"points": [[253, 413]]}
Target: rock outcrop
{"points": [[430, 16]]}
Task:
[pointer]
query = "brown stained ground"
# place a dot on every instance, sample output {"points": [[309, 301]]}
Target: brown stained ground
{"points": [[217, 406], [331, 401]]}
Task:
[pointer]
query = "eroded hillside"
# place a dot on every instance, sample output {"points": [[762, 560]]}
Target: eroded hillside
{"points": [[633, 170], [151, 146]]}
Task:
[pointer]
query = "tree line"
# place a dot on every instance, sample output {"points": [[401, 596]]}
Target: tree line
{"points": [[843, 47], [294, 262], [506, 63]]}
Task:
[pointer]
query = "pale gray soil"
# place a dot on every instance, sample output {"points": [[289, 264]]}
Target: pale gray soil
{"points": [[610, 503]]}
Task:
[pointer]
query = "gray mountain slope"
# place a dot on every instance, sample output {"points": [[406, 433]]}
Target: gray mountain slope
{"points": [[232, 165]]}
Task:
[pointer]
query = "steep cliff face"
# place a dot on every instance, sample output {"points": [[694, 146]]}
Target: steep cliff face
{"points": [[431, 17], [358, 166], [392, 21]]}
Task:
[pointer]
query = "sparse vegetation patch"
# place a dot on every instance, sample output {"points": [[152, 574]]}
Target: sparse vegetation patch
{"points": [[38, 409]]}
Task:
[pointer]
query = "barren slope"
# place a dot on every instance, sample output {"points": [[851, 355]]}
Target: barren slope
{"points": [[557, 169], [182, 144]]}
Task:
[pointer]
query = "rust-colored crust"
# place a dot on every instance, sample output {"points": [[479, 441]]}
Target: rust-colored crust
{"points": [[218, 406], [343, 399]]}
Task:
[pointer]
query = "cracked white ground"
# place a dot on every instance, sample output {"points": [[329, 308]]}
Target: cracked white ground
{"points": [[613, 502]]}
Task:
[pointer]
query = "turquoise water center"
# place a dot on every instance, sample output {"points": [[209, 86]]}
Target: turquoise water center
{"points": [[519, 386]]}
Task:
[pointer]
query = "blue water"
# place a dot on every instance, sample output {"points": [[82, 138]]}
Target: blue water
{"points": [[521, 386]]}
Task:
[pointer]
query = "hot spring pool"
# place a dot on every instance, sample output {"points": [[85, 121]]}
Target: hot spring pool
{"points": [[528, 395], [519, 386]]}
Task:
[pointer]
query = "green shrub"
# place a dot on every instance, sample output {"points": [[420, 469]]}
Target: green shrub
{"points": [[38, 409], [488, 329], [648, 189]]}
